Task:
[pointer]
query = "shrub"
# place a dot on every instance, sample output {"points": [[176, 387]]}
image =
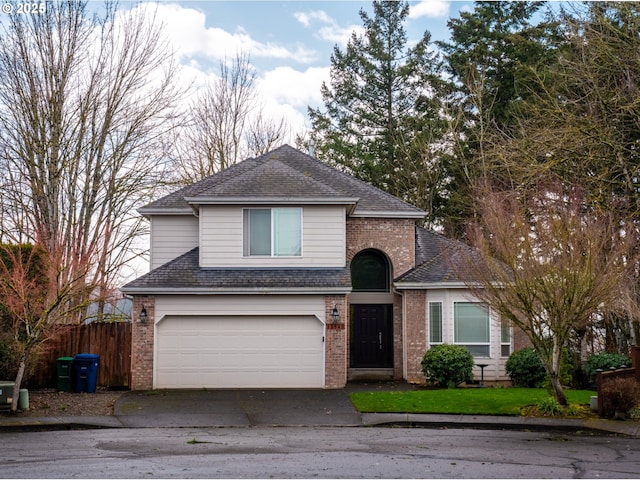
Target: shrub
{"points": [[619, 396], [549, 407], [525, 368], [605, 361], [448, 365]]}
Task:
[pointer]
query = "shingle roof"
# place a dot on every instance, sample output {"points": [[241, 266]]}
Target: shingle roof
{"points": [[439, 260], [183, 275], [285, 173]]}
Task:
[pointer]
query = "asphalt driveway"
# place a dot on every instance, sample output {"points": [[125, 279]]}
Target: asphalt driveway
{"points": [[225, 408]]}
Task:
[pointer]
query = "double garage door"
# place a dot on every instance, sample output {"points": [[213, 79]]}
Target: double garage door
{"points": [[239, 352]]}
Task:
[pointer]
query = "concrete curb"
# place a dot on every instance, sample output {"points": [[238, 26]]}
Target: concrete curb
{"points": [[481, 422], [488, 422]]}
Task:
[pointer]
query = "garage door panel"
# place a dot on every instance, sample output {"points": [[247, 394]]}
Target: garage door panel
{"points": [[239, 352]]}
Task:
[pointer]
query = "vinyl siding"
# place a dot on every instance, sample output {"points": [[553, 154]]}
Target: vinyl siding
{"points": [[495, 369], [171, 236], [323, 239]]}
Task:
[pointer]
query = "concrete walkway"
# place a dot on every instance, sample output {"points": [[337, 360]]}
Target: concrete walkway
{"points": [[252, 408]]}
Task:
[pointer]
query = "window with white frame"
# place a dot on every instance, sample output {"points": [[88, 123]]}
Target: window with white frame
{"points": [[505, 339], [275, 232], [435, 323], [471, 327]]}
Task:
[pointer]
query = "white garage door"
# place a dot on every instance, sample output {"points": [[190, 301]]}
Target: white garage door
{"points": [[239, 352]]}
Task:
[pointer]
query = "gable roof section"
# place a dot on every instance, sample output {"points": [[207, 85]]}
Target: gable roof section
{"points": [[285, 175], [183, 276], [439, 263]]}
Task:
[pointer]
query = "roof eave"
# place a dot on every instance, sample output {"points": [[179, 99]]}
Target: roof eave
{"points": [[272, 200], [148, 211], [235, 291], [388, 214], [440, 285], [429, 285]]}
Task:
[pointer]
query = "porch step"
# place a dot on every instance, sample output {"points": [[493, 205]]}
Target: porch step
{"points": [[370, 374]]}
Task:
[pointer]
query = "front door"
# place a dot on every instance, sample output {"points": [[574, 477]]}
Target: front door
{"points": [[371, 336]]}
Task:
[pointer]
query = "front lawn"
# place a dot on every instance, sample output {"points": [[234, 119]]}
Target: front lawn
{"points": [[468, 401]]}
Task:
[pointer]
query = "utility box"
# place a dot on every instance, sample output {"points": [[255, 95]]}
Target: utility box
{"points": [[6, 394], [85, 372], [64, 374]]}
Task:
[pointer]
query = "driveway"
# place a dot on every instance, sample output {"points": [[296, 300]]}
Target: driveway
{"points": [[226, 408]]}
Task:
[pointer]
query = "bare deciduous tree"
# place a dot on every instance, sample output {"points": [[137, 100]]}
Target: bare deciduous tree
{"points": [[83, 108], [224, 124], [550, 265]]}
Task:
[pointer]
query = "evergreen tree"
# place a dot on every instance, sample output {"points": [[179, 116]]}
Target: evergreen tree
{"points": [[494, 55], [383, 120]]}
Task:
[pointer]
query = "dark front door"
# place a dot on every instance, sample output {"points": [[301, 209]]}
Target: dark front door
{"points": [[371, 336]]}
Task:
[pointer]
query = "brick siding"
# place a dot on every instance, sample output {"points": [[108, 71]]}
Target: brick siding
{"points": [[416, 335], [336, 344], [142, 344], [393, 236], [396, 239]]}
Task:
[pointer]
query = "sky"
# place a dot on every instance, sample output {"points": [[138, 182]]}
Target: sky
{"points": [[289, 43]]}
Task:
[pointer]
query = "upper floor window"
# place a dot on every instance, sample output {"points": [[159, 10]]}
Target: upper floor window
{"points": [[275, 232], [370, 272]]}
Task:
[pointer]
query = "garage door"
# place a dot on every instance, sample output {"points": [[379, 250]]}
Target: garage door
{"points": [[239, 352]]}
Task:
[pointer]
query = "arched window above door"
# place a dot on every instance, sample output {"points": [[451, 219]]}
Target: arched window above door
{"points": [[370, 272]]}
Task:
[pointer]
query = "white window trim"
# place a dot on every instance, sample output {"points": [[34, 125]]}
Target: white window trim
{"points": [[488, 343], [429, 320], [246, 254]]}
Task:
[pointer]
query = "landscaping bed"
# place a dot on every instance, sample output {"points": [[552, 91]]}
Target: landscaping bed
{"points": [[52, 403]]}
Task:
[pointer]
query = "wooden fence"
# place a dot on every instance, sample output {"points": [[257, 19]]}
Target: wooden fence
{"points": [[112, 341], [604, 377]]}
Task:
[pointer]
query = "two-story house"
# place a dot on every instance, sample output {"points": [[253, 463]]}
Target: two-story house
{"points": [[281, 271]]}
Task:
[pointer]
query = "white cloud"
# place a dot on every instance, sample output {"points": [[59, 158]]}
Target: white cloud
{"points": [[327, 28], [288, 92], [293, 87], [430, 9], [186, 31]]}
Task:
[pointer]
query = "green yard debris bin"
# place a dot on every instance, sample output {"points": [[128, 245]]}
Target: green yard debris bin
{"points": [[63, 373], [85, 372], [6, 394]]}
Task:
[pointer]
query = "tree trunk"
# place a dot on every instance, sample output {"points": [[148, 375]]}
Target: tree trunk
{"points": [[16, 388], [554, 374], [558, 391]]}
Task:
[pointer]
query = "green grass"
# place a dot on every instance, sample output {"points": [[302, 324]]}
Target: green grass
{"points": [[470, 401]]}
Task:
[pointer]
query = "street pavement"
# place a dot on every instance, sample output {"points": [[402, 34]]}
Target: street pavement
{"points": [[289, 408]]}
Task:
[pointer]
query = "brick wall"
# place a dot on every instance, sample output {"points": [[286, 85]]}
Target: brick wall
{"points": [[393, 236], [520, 339], [416, 335], [396, 239], [142, 344], [336, 344]]}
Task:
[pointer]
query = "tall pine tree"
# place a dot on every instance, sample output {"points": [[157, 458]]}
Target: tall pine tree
{"points": [[383, 120], [494, 55]]}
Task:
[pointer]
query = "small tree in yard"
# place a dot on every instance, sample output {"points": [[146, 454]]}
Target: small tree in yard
{"points": [[548, 264], [34, 301]]}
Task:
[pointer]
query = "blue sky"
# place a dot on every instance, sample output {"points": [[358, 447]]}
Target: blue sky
{"points": [[289, 42]]}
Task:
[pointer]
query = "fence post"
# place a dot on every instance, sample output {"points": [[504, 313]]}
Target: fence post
{"points": [[635, 361], [600, 395]]}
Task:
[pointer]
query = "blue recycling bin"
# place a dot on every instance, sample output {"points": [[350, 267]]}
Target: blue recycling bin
{"points": [[85, 372]]}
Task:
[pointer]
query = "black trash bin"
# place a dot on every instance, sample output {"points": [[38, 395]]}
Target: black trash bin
{"points": [[85, 372], [63, 373]]}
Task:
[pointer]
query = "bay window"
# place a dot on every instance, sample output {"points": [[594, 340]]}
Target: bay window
{"points": [[471, 327]]}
